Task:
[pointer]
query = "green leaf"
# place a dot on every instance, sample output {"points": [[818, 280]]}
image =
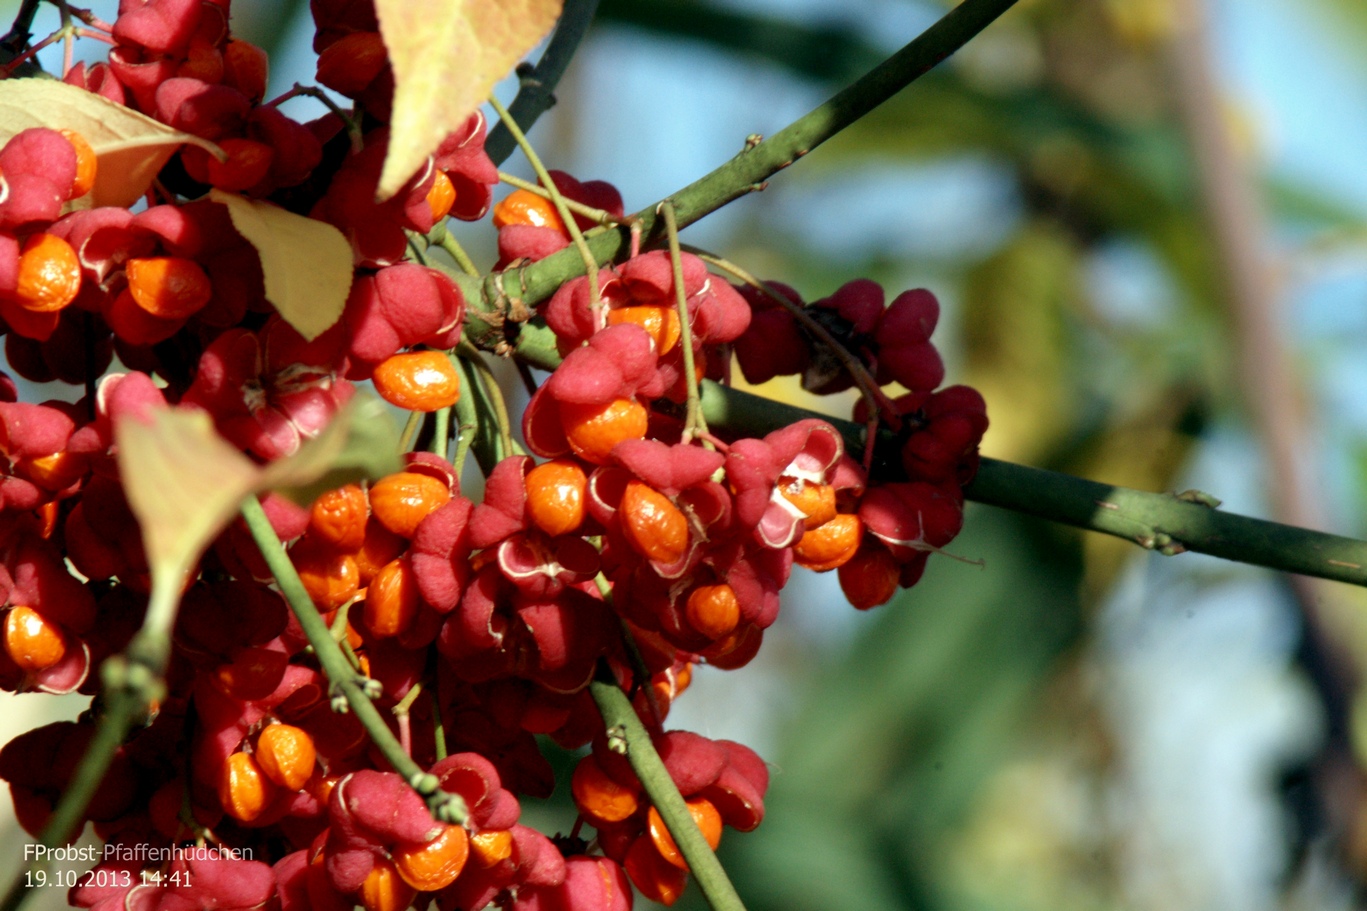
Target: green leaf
{"points": [[447, 56], [307, 263], [130, 148], [362, 442]]}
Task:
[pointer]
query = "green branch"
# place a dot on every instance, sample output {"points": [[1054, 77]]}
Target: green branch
{"points": [[755, 164], [343, 679], [622, 726]]}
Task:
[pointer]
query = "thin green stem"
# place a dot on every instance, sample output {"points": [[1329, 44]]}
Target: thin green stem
{"points": [[694, 423], [438, 727], [494, 392], [537, 92], [343, 679], [457, 253], [556, 198], [467, 417], [441, 432], [622, 726], [758, 161], [410, 430]]}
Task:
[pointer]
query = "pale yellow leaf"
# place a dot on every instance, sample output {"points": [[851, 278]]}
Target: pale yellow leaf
{"points": [[307, 263], [130, 147], [184, 483], [447, 55]]}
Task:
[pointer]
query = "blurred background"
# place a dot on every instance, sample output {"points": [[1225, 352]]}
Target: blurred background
{"points": [[1147, 223]]}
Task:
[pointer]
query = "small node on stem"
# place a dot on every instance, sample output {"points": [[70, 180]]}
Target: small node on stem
{"points": [[617, 739]]}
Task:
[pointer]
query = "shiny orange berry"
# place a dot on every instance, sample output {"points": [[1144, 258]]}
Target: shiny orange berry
{"points": [[330, 576], [829, 545], [53, 472], [49, 274], [339, 517], [598, 796], [442, 196], [286, 755], [242, 788], [737, 649], [593, 430], [491, 847], [869, 578], [134, 325], [713, 610], [434, 865], [86, 164], [32, 641], [817, 501], [523, 207], [658, 880], [653, 525], [384, 889], [391, 600], [418, 380], [379, 548], [703, 813], [168, 287], [660, 322], [401, 501], [555, 496]]}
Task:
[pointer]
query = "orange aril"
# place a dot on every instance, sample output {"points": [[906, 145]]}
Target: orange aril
{"points": [[418, 380], [703, 813], [401, 501], [32, 641], [242, 788], [330, 576], [384, 889], [286, 755], [653, 525], [168, 287], [339, 517], [86, 164], [555, 496], [434, 865], [869, 578], [658, 880], [713, 610], [598, 796], [660, 322], [379, 547], [523, 207], [829, 545], [817, 501], [53, 472], [391, 600], [491, 846], [49, 274], [442, 196], [592, 430], [352, 62]]}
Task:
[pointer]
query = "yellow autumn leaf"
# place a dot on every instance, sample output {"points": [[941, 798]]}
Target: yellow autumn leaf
{"points": [[130, 147], [447, 55], [306, 263]]}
